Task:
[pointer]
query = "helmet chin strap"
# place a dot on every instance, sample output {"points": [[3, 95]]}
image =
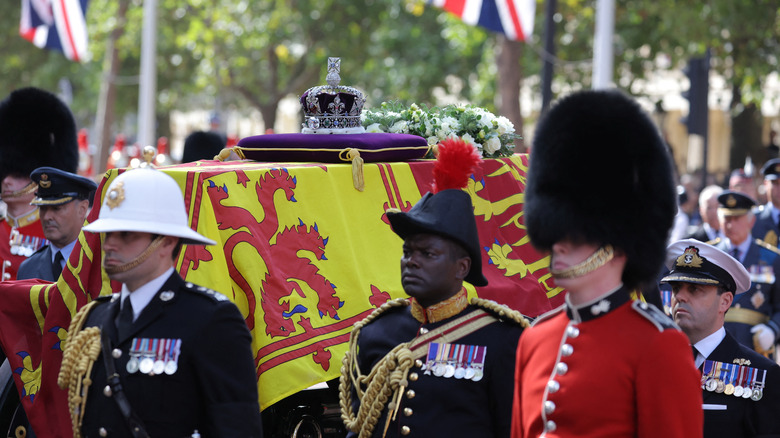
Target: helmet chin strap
{"points": [[26, 190], [153, 245], [595, 261]]}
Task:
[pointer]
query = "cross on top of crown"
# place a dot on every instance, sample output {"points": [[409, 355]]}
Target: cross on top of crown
{"points": [[334, 67]]}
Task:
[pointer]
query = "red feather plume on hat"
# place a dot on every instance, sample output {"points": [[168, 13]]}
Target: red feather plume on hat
{"points": [[456, 160]]}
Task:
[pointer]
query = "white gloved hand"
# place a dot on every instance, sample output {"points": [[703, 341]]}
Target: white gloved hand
{"points": [[764, 335]]}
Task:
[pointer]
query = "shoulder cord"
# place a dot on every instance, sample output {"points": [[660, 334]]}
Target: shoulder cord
{"points": [[502, 311], [80, 350], [386, 379]]}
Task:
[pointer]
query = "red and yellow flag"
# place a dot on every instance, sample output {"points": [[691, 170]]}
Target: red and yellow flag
{"points": [[301, 252]]}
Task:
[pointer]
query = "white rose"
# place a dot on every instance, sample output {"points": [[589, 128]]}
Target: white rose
{"points": [[399, 127], [433, 140], [469, 139], [492, 145], [374, 127], [505, 126]]}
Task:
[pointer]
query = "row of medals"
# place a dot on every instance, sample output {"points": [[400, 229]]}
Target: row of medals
{"points": [[713, 384], [25, 246], [150, 363], [450, 370]]}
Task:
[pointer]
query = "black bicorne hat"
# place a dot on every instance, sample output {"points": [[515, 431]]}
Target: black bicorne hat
{"points": [[36, 129], [600, 173], [448, 213]]}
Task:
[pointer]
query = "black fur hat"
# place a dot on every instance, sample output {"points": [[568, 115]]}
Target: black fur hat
{"points": [[202, 145], [600, 173], [36, 129]]}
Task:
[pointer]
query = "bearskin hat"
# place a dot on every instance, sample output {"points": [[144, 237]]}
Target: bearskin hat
{"points": [[600, 173], [202, 145], [36, 129]]}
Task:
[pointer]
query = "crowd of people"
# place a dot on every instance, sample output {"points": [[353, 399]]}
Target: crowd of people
{"points": [[175, 358]]}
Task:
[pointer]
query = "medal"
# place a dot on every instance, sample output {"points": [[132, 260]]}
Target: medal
{"points": [[460, 371], [439, 368], [739, 389], [479, 363], [173, 357], [449, 370], [146, 365], [132, 365], [159, 362], [433, 349], [730, 385], [758, 393], [752, 372]]}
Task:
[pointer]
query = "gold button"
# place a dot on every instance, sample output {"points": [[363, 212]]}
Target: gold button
{"points": [[102, 431], [418, 363], [413, 377], [405, 430], [408, 412], [410, 394]]}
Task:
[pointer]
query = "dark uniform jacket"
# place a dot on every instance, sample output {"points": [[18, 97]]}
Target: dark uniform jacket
{"points": [[214, 388], [37, 265], [439, 406], [762, 261], [765, 227], [743, 417]]}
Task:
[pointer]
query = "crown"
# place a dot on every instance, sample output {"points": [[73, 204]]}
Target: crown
{"points": [[332, 108]]}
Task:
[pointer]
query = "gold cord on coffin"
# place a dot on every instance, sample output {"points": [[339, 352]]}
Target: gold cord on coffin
{"points": [[80, 351]]}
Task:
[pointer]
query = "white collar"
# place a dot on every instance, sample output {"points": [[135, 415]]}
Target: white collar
{"points": [[141, 297], [707, 345]]}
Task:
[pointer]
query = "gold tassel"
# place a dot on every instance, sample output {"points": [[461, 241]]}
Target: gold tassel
{"points": [[230, 154], [357, 169]]}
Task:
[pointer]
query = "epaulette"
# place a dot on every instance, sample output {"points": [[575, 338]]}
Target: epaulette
{"points": [[397, 303], [202, 290], [548, 315], [714, 241], [502, 312], [653, 314], [768, 246]]}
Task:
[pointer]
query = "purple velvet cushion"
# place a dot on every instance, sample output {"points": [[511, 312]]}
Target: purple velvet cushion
{"points": [[326, 148]]}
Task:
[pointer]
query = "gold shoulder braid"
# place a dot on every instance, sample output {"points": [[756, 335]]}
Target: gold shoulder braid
{"points": [[80, 350], [384, 380], [502, 311]]}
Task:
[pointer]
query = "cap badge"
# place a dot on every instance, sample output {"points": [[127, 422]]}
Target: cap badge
{"points": [[116, 196], [690, 257], [777, 168], [44, 182], [731, 202]]}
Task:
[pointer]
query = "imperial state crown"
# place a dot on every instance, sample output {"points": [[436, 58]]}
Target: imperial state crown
{"points": [[332, 108]]}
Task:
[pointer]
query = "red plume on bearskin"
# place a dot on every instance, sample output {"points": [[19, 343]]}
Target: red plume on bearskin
{"points": [[455, 162]]}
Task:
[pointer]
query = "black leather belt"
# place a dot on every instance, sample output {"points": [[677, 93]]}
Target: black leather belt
{"points": [[134, 423]]}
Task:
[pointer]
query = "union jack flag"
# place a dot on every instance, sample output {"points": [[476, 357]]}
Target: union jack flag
{"points": [[513, 18], [56, 24]]}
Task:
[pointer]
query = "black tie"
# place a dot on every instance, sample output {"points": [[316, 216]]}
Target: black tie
{"points": [[56, 266], [735, 253], [125, 318], [695, 353]]}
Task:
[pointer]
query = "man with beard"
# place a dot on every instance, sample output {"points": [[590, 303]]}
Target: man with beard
{"points": [[741, 387]]}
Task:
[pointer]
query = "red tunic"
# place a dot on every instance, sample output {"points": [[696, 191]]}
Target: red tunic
{"points": [[19, 239], [620, 369]]}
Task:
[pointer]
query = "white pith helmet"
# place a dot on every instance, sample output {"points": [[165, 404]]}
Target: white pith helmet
{"points": [[148, 201]]}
